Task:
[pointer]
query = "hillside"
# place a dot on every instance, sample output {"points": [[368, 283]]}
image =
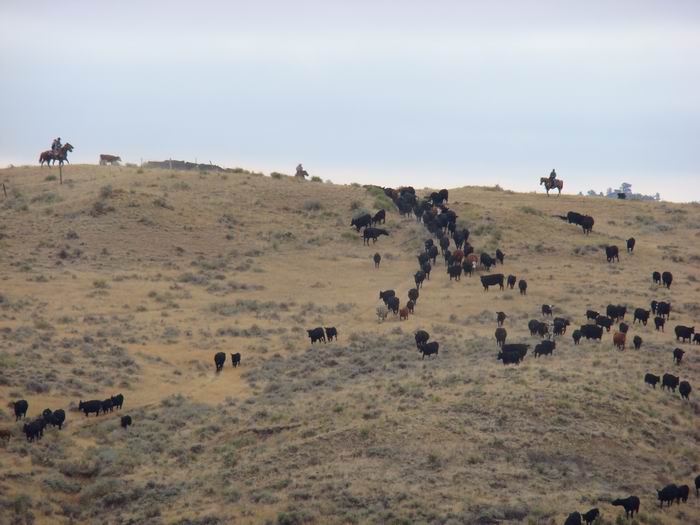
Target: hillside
{"points": [[130, 280]]}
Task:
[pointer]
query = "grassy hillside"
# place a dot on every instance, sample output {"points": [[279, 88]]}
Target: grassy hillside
{"points": [[126, 280]]}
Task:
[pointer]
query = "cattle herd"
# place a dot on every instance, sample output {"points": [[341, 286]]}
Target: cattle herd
{"points": [[34, 430], [452, 243]]}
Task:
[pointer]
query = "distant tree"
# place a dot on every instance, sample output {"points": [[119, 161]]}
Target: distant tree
{"points": [[592, 193]]}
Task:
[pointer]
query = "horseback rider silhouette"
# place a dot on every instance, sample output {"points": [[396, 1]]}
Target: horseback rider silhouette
{"points": [[56, 145], [552, 177]]}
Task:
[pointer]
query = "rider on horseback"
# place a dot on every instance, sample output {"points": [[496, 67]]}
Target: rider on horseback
{"points": [[301, 172], [56, 145], [552, 178]]}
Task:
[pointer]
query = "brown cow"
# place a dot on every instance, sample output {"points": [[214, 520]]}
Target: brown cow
{"points": [[458, 255], [109, 159], [619, 340], [473, 259], [403, 314]]}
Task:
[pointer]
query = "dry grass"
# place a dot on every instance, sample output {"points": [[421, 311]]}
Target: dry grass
{"points": [[129, 280]]}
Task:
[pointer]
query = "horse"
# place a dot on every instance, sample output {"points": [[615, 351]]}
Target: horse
{"points": [[548, 184], [62, 156]]}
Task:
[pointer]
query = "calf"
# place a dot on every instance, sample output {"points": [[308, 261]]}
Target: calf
{"points": [[20, 407], [651, 379], [667, 494], [641, 315], [522, 286], [421, 337], [429, 349], [682, 494], [500, 256], [58, 417], [678, 356], [696, 338], [107, 404], [669, 381], [393, 305], [619, 340], [656, 277], [413, 295], [491, 280], [684, 332], [219, 360], [377, 259], [331, 333], [573, 519], [511, 281], [126, 422], [501, 335], [5, 435], [403, 314], [685, 389], [379, 217], [500, 317], [630, 504], [95, 405], [659, 322], [236, 359], [612, 253], [630, 244], [590, 516], [544, 348], [410, 305], [624, 327], [576, 335], [592, 315], [34, 430], [316, 334], [547, 309], [637, 342], [118, 401], [667, 278]]}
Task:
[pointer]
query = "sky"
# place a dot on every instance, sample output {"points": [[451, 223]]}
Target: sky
{"points": [[439, 93]]}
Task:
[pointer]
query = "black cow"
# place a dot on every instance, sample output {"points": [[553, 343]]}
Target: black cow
{"points": [[467, 267], [219, 360], [492, 280], [500, 317], [118, 401], [487, 261], [641, 315], [410, 305], [57, 418], [512, 354], [413, 295], [421, 337], [612, 253], [377, 259], [447, 255], [697, 486], [591, 331], [659, 322], [316, 334], [501, 335], [126, 422], [20, 408], [374, 234], [663, 309], [576, 335], [684, 332], [563, 322], [236, 359], [46, 415], [386, 295], [547, 309], [696, 338], [331, 333], [682, 494], [587, 224], [362, 221], [379, 217], [444, 243], [423, 258], [393, 304], [428, 243], [630, 244], [616, 312], [656, 277], [651, 379], [573, 519], [685, 389], [630, 504], [667, 494], [419, 277], [624, 328], [429, 349], [678, 355], [427, 268], [667, 278], [511, 281], [433, 253], [460, 237], [107, 405], [592, 315], [637, 341], [590, 516], [94, 406], [455, 272], [500, 256], [522, 286], [605, 322], [545, 348], [669, 381], [34, 430]]}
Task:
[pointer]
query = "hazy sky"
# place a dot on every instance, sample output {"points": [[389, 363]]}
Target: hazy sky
{"points": [[438, 93]]}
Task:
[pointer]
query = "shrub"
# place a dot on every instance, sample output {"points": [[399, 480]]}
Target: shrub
{"points": [[50, 178], [316, 179], [531, 211], [313, 205], [106, 192], [277, 175]]}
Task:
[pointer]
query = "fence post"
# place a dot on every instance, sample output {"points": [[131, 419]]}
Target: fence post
{"points": [[4, 190], [60, 172]]}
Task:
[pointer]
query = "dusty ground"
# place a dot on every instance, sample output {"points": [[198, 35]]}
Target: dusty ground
{"points": [[126, 280]]}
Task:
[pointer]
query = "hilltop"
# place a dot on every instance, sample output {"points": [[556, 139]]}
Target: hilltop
{"points": [[131, 279]]}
